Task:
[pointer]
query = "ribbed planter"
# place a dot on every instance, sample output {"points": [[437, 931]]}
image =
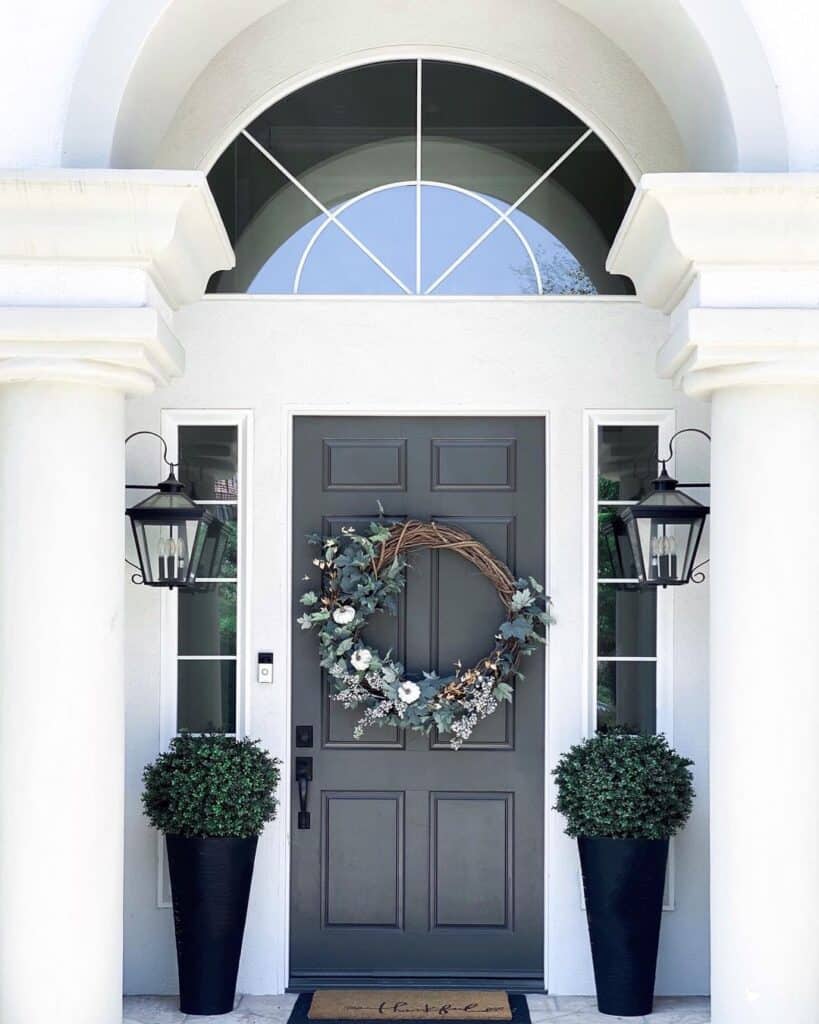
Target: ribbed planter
{"points": [[210, 885], [623, 880]]}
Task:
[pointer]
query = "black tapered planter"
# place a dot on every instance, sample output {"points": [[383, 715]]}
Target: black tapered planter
{"points": [[210, 885], [623, 880]]}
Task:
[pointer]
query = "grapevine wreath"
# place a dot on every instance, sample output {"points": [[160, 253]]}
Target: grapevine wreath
{"points": [[363, 574]]}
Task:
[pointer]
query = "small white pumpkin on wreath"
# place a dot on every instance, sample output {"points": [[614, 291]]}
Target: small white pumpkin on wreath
{"points": [[363, 574]]}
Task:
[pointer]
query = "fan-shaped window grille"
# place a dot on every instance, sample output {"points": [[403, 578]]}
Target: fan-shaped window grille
{"points": [[420, 177]]}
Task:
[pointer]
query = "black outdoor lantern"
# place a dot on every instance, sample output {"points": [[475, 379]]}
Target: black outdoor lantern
{"points": [[664, 530], [172, 533]]}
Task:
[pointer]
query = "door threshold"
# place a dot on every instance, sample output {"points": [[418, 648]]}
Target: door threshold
{"points": [[516, 982]]}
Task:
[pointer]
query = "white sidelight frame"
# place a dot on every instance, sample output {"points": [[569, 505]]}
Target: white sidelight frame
{"points": [[502, 216], [283, 635], [170, 422], [665, 422]]}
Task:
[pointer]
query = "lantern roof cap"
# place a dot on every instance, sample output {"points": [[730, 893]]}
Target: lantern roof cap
{"points": [[665, 498], [169, 498]]}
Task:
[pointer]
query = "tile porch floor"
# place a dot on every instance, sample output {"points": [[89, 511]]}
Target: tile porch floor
{"points": [[543, 1010]]}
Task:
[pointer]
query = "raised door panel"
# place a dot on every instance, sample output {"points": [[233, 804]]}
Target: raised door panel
{"points": [[474, 464], [365, 464], [363, 862], [471, 860]]}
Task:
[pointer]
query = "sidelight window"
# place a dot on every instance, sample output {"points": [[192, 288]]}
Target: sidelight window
{"points": [[627, 621], [419, 177], [204, 651]]}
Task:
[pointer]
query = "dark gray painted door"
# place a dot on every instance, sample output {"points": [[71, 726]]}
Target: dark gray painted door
{"points": [[421, 863]]}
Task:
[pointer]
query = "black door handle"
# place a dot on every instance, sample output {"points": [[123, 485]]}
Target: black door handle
{"points": [[304, 776]]}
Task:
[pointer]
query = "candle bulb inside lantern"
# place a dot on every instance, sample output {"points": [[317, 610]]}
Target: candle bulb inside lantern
{"points": [[171, 543], [181, 558], [653, 571], [162, 550]]}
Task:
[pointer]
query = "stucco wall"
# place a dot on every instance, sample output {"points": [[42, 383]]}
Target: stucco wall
{"points": [[526, 355]]}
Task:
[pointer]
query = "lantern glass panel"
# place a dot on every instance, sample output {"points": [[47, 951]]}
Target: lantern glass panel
{"points": [[615, 559], [169, 553], [218, 560], [667, 547]]}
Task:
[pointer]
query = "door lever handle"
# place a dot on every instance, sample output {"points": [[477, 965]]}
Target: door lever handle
{"points": [[304, 776]]}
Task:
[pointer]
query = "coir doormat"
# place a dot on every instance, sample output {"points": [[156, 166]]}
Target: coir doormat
{"points": [[407, 1006]]}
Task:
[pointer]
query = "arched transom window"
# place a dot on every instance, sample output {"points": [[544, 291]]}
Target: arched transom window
{"points": [[418, 177]]}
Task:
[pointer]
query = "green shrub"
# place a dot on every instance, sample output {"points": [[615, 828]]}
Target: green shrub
{"points": [[211, 785], [624, 786]]}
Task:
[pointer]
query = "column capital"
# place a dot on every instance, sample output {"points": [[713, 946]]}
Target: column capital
{"points": [[733, 259], [93, 265]]}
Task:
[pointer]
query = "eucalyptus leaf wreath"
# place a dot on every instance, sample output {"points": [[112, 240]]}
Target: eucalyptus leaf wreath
{"points": [[363, 574]]}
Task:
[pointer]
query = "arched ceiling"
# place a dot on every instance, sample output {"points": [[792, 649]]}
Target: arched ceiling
{"points": [[670, 84]]}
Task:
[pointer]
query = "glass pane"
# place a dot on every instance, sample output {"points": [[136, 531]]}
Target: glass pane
{"points": [[336, 265], [219, 552], [627, 695], [500, 265], [489, 133], [385, 222], [165, 551], [263, 211], [615, 558], [279, 273], [207, 620], [574, 207], [668, 548], [206, 696], [626, 622], [450, 223], [346, 133], [627, 462], [208, 462], [570, 257]]}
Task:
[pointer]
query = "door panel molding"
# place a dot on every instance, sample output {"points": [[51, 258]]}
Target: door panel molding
{"points": [[365, 859], [463, 855]]}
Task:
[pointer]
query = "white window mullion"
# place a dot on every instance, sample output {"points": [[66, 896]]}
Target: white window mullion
{"points": [[418, 168]]}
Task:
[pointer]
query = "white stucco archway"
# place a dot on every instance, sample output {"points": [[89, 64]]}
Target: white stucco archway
{"points": [[656, 80]]}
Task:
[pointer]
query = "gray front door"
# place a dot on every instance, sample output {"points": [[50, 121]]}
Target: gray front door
{"points": [[421, 864]]}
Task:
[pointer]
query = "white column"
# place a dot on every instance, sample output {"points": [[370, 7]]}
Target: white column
{"points": [[95, 264], [765, 704], [734, 260], [61, 702]]}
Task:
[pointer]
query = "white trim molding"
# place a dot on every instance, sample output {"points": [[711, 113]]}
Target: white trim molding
{"points": [[93, 264], [734, 260]]}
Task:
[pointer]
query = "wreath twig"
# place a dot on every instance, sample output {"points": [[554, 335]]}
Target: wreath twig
{"points": [[362, 574], [415, 534]]}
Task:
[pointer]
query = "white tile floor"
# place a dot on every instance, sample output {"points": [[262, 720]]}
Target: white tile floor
{"points": [[543, 1010]]}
